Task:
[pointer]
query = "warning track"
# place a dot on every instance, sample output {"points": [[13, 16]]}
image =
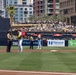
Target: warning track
{"points": [[11, 72]]}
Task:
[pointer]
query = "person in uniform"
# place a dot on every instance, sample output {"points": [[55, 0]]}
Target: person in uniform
{"points": [[39, 41], [31, 42], [19, 37], [9, 41]]}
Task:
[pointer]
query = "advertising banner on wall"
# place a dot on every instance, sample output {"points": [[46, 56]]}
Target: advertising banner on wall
{"points": [[71, 43], [25, 43], [56, 43]]}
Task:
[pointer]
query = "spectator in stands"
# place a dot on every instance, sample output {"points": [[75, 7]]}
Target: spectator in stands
{"points": [[23, 33], [35, 35], [9, 41]]}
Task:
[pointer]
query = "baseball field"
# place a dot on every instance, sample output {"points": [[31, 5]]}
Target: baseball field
{"points": [[48, 59]]}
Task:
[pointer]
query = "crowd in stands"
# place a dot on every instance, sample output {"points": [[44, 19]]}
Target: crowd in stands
{"points": [[49, 26]]}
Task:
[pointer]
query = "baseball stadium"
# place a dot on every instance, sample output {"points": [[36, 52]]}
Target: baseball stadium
{"points": [[57, 55], [39, 44]]}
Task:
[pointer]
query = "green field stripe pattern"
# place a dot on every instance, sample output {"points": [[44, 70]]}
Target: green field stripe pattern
{"points": [[43, 48], [53, 63], [32, 62], [39, 61], [11, 61]]}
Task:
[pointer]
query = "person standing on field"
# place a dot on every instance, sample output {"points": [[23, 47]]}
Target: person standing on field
{"points": [[19, 37], [39, 41], [9, 41], [31, 42]]}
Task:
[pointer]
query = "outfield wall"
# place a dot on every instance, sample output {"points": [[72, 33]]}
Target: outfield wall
{"points": [[60, 43], [27, 43], [72, 43]]}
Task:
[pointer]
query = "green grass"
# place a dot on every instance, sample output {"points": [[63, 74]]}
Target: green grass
{"points": [[43, 48], [39, 61]]}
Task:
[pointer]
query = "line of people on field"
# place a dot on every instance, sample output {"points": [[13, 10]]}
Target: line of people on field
{"points": [[20, 40], [10, 38]]}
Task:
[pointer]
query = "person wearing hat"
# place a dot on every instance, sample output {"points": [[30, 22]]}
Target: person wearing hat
{"points": [[9, 41], [19, 37], [39, 41], [31, 42]]}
